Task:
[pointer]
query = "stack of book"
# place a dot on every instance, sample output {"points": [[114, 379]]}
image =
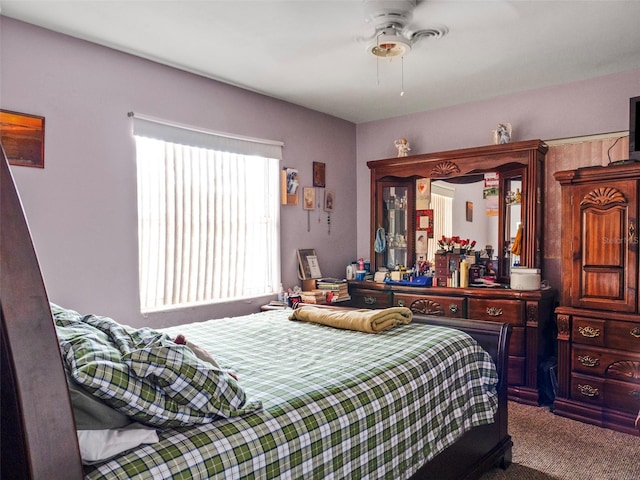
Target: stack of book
{"points": [[316, 296], [336, 290]]}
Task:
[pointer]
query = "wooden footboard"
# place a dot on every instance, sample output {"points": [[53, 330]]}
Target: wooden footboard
{"points": [[486, 446]]}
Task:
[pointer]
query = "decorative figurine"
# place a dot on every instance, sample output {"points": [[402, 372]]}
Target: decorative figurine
{"points": [[402, 144], [502, 133]]}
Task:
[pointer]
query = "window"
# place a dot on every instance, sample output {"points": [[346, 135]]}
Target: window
{"points": [[442, 204], [208, 216]]}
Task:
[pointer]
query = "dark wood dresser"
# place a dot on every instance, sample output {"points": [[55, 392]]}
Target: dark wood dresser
{"points": [[599, 316], [529, 312]]}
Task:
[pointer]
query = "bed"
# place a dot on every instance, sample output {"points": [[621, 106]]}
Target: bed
{"points": [[39, 438]]}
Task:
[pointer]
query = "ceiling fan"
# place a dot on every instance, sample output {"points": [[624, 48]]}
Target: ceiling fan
{"points": [[394, 35]]}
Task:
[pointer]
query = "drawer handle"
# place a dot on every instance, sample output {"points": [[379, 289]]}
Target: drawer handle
{"points": [[635, 332], [588, 391], [589, 332], [370, 300], [494, 311], [453, 308], [588, 361], [635, 394], [401, 303]]}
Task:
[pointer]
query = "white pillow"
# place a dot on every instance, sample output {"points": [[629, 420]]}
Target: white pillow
{"points": [[100, 445]]}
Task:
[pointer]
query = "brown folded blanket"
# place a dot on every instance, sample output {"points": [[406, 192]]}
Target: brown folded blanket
{"points": [[369, 321]]}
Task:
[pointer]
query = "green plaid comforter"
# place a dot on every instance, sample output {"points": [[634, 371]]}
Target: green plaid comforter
{"points": [[143, 374], [336, 403]]}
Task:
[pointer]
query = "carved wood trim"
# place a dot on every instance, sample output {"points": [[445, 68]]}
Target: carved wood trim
{"points": [[532, 314], [563, 327], [445, 169], [427, 307], [603, 196], [625, 369]]}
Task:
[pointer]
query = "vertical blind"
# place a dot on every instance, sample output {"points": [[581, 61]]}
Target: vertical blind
{"points": [[208, 219], [442, 205]]}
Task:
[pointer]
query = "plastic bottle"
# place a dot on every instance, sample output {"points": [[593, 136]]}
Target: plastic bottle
{"points": [[464, 274], [281, 297], [361, 264]]}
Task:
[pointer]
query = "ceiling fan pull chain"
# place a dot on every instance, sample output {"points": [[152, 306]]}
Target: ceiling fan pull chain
{"points": [[402, 76]]}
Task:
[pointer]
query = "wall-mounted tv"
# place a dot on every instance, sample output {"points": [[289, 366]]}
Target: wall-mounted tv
{"points": [[634, 129]]}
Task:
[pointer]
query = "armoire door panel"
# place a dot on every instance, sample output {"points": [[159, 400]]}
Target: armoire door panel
{"points": [[602, 283], [604, 253], [603, 240]]}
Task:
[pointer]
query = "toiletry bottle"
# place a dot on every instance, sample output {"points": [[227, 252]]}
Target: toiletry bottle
{"points": [[464, 274]]}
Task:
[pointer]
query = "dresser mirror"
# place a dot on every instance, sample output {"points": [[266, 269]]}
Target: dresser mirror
{"points": [[450, 201], [490, 195]]}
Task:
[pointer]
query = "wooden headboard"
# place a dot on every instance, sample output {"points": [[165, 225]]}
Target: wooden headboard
{"points": [[38, 436]]}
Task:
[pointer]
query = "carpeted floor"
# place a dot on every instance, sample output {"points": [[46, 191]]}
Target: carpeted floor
{"points": [[550, 447]]}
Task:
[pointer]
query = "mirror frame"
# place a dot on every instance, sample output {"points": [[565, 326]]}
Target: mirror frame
{"points": [[525, 159]]}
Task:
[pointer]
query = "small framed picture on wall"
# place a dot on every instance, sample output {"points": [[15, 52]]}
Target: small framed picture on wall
{"points": [[309, 198], [22, 137], [319, 174], [329, 200]]}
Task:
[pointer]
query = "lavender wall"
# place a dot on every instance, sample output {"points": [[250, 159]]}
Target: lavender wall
{"points": [[81, 207], [582, 108]]}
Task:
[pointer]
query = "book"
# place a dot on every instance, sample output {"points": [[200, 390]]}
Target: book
{"points": [[313, 296], [336, 289], [331, 286], [332, 280]]}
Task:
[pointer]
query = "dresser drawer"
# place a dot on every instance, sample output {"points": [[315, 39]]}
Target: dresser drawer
{"points": [[613, 394], [497, 310], [602, 362], [588, 331], [623, 335], [607, 333], [587, 389], [517, 345], [431, 305], [516, 373], [622, 396], [370, 299]]}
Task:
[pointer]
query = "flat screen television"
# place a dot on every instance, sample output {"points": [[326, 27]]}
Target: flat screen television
{"points": [[634, 129]]}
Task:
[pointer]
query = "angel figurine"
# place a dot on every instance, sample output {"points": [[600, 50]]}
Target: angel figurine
{"points": [[402, 144], [502, 133]]}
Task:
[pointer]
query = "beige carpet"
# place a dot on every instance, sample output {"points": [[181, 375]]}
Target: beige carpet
{"points": [[550, 447]]}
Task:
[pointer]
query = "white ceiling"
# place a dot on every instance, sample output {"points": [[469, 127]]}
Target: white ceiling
{"points": [[307, 51]]}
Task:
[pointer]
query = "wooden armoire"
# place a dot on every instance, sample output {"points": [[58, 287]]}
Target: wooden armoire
{"points": [[599, 313]]}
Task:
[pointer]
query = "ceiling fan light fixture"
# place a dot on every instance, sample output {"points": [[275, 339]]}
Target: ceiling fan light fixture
{"points": [[389, 46]]}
